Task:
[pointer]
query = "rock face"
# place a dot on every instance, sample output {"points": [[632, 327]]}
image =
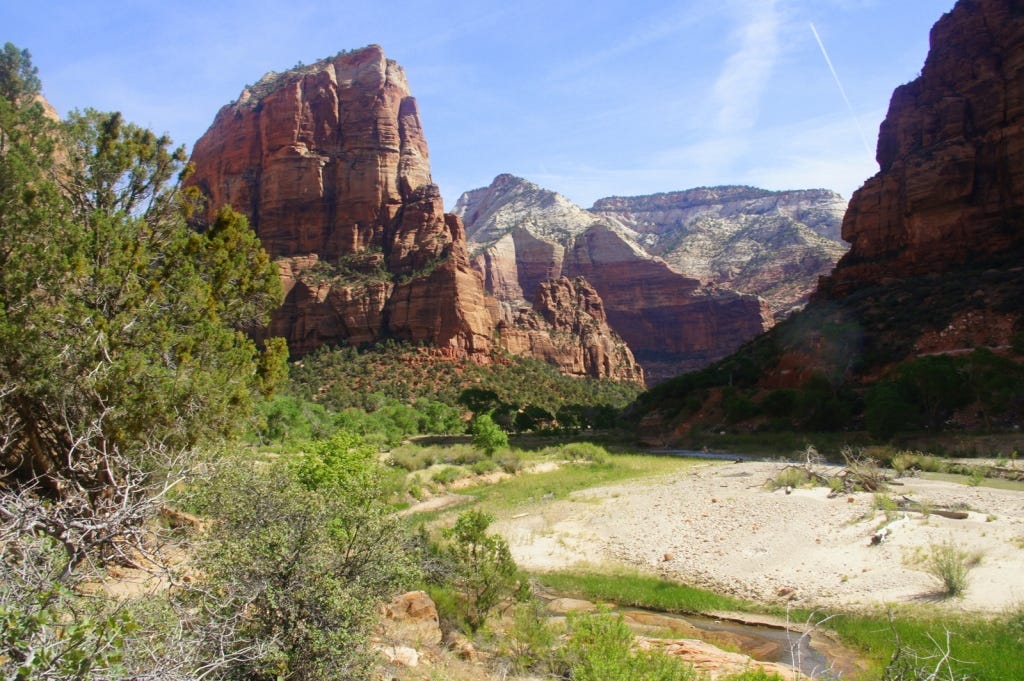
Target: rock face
{"points": [[950, 190], [581, 339], [521, 235], [772, 244], [330, 165]]}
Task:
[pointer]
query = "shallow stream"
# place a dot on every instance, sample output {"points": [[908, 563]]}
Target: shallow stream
{"points": [[815, 655]]}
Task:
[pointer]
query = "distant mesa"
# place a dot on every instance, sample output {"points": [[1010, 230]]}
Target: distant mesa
{"points": [[686, 277]]}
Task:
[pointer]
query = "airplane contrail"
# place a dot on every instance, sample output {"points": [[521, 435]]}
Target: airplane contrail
{"points": [[842, 91]]}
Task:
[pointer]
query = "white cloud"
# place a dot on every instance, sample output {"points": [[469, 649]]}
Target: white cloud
{"points": [[742, 81]]}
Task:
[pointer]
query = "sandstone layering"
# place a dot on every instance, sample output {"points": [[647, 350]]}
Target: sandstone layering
{"points": [[521, 235], [774, 244], [330, 165], [950, 190]]}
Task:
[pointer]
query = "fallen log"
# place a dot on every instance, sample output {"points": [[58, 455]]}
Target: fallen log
{"points": [[905, 503]]}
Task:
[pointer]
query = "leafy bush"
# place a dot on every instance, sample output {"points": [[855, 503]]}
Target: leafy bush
{"points": [[600, 648], [529, 642], [482, 570], [298, 556], [412, 458], [460, 454], [448, 474], [484, 466], [285, 418], [950, 565], [790, 476], [585, 451]]}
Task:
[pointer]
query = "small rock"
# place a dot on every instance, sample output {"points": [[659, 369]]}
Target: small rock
{"points": [[401, 655], [667, 557]]}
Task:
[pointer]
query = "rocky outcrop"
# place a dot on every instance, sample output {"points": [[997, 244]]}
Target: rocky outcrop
{"points": [[950, 189], [566, 326], [521, 235], [330, 166], [775, 244], [714, 662]]}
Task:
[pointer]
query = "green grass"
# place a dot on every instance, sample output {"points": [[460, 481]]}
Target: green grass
{"points": [[524, 490], [985, 649], [995, 483], [640, 591]]}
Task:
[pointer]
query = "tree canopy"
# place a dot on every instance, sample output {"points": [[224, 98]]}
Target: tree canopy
{"points": [[122, 330]]}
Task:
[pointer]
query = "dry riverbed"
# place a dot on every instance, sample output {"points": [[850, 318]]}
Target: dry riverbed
{"points": [[718, 527]]}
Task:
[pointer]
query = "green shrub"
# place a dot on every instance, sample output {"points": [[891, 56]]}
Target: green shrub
{"points": [[412, 458], [482, 570], [529, 642], [791, 476], [887, 412], [884, 502], [298, 556], [484, 466], [448, 474], [950, 565], [779, 403], [511, 462], [600, 648], [487, 436], [757, 674], [460, 454], [738, 407], [585, 451]]}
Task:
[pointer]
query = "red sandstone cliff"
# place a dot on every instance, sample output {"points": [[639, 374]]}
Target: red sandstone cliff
{"points": [[582, 343], [950, 190], [330, 165]]}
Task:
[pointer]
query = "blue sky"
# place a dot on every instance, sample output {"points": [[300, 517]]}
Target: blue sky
{"points": [[591, 99]]}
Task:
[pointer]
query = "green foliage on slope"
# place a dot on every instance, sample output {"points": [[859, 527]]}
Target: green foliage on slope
{"points": [[852, 364], [342, 378]]}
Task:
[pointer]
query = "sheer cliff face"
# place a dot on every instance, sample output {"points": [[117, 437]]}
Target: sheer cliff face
{"points": [[522, 235], [330, 165], [322, 159], [950, 190], [775, 244], [584, 343]]}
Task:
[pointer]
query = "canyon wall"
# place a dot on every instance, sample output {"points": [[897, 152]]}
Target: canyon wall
{"points": [[774, 244], [521, 235], [330, 165], [950, 188]]}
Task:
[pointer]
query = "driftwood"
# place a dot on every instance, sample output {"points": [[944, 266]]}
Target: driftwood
{"points": [[905, 503], [859, 475]]}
